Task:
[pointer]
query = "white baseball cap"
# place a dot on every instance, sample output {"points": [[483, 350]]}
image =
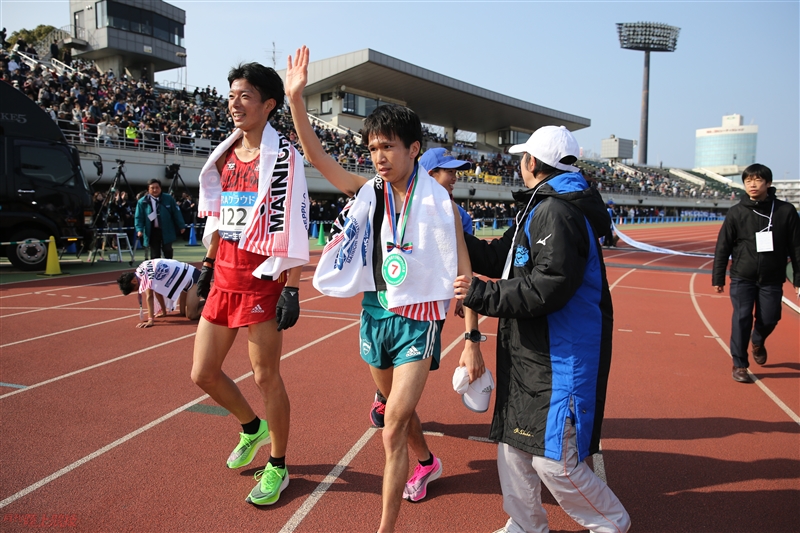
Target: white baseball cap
{"points": [[551, 144], [475, 395]]}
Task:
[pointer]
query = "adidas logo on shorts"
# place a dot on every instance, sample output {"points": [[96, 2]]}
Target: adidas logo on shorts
{"points": [[257, 309], [412, 352]]}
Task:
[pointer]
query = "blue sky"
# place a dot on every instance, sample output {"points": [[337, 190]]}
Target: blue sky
{"points": [[732, 57]]}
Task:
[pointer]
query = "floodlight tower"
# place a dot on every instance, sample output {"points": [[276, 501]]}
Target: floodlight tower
{"points": [[647, 37]]}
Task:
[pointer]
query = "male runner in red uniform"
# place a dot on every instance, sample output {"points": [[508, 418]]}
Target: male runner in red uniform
{"points": [[238, 197]]}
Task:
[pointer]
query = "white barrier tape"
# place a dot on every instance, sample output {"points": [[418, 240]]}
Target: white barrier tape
{"points": [[650, 248]]}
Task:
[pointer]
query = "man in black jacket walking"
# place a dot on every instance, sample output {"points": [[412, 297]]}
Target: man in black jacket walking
{"points": [[553, 339], [761, 232]]}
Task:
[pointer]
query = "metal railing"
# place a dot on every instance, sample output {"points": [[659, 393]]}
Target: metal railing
{"points": [[62, 67], [89, 134], [340, 129]]}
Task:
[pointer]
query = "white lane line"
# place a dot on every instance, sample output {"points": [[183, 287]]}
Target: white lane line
{"points": [[331, 478], [91, 367], [653, 332], [53, 290], [626, 330], [69, 468], [785, 408], [73, 309], [433, 433], [625, 275], [681, 334], [599, 465], [482, 439], [42, 482], [459, 338], [38, 309], [303, 315], [326, 483], [670, 291], [794, 307], [68, 330]]}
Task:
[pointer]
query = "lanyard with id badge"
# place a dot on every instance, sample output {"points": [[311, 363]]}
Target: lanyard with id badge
{"points": [[764, 236]]}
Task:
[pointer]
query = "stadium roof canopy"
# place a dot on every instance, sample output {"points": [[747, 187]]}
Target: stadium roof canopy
{"points": [[436, 98]]}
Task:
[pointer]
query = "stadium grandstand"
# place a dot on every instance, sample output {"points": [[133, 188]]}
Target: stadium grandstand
{"points": [[123, 114]]}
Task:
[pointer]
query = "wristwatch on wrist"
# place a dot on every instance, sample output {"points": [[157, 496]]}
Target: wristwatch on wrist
{"points": [[474, 336], [209, 261]]}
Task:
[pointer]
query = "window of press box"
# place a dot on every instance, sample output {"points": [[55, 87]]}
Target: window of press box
{"points": [[326, 108], [128, 18], [358, 105]]}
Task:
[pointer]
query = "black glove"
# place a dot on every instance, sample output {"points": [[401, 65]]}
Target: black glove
{"points": [[288, 309], [204, 282]]}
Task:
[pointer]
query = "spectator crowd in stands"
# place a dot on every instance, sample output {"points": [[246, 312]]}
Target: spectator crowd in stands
{"points": [[115, 110]]}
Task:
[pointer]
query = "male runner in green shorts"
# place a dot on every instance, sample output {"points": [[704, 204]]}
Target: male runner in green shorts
{"points": [[401, 345]]}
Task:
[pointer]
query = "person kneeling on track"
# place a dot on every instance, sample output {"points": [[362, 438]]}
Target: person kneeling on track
{"points": [[164, 278]]}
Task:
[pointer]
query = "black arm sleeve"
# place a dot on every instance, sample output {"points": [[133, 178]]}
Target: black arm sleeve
{"points": [[489, 257], [725, 240], [557, 271]]}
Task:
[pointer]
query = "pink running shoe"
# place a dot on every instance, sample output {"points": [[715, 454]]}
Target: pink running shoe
{"points": [[417, 486], [377, 411]]}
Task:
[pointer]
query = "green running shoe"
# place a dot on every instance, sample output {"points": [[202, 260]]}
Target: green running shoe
{"points": [[243, 454], [272, 482]]}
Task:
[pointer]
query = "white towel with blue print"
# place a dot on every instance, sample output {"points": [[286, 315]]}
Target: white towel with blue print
{"points": [[345, 268]]}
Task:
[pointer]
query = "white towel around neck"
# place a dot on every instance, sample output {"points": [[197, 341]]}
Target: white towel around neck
{"points": [[345, 268]]}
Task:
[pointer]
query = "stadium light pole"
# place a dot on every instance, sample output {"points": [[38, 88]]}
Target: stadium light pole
{"points": [[647, 37]]}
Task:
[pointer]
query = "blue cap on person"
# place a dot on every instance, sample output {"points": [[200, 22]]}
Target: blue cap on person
{"points": [[442, 158]]}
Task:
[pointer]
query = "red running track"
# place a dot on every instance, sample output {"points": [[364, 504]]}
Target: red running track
{"points": [[110, 434]]}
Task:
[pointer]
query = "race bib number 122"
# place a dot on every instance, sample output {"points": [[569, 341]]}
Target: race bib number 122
{"points": [[234, 209]]}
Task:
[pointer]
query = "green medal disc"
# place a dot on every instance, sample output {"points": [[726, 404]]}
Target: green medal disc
{"points": [[383, 300], [395, 269]]}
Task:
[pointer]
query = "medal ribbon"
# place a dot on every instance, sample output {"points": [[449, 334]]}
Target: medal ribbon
{"points": [[407, 247]]}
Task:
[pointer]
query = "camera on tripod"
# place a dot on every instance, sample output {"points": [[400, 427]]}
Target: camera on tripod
{"points": [[171, 171]]}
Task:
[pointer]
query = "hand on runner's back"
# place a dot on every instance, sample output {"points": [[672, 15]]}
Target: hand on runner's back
{"points": [[288, 309], [204, 282]]}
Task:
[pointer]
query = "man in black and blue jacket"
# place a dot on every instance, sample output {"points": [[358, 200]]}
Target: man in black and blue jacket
{"points": [[553, 339]]}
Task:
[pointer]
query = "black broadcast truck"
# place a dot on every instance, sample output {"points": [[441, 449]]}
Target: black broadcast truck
{"points": [[43, 190]]}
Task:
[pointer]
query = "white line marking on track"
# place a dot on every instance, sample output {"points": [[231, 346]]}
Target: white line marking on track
{"points": [[38, 309], [653, 332], [325, 317], [319, 492], [52, 477], [626, 330], [61, 307], [91, 367], [482, 439], [599, 465], [791, 304], [433, 433], [53, 290], [69, 468], [785, 408], [681, 334], [67, 330], [325, 484]]}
